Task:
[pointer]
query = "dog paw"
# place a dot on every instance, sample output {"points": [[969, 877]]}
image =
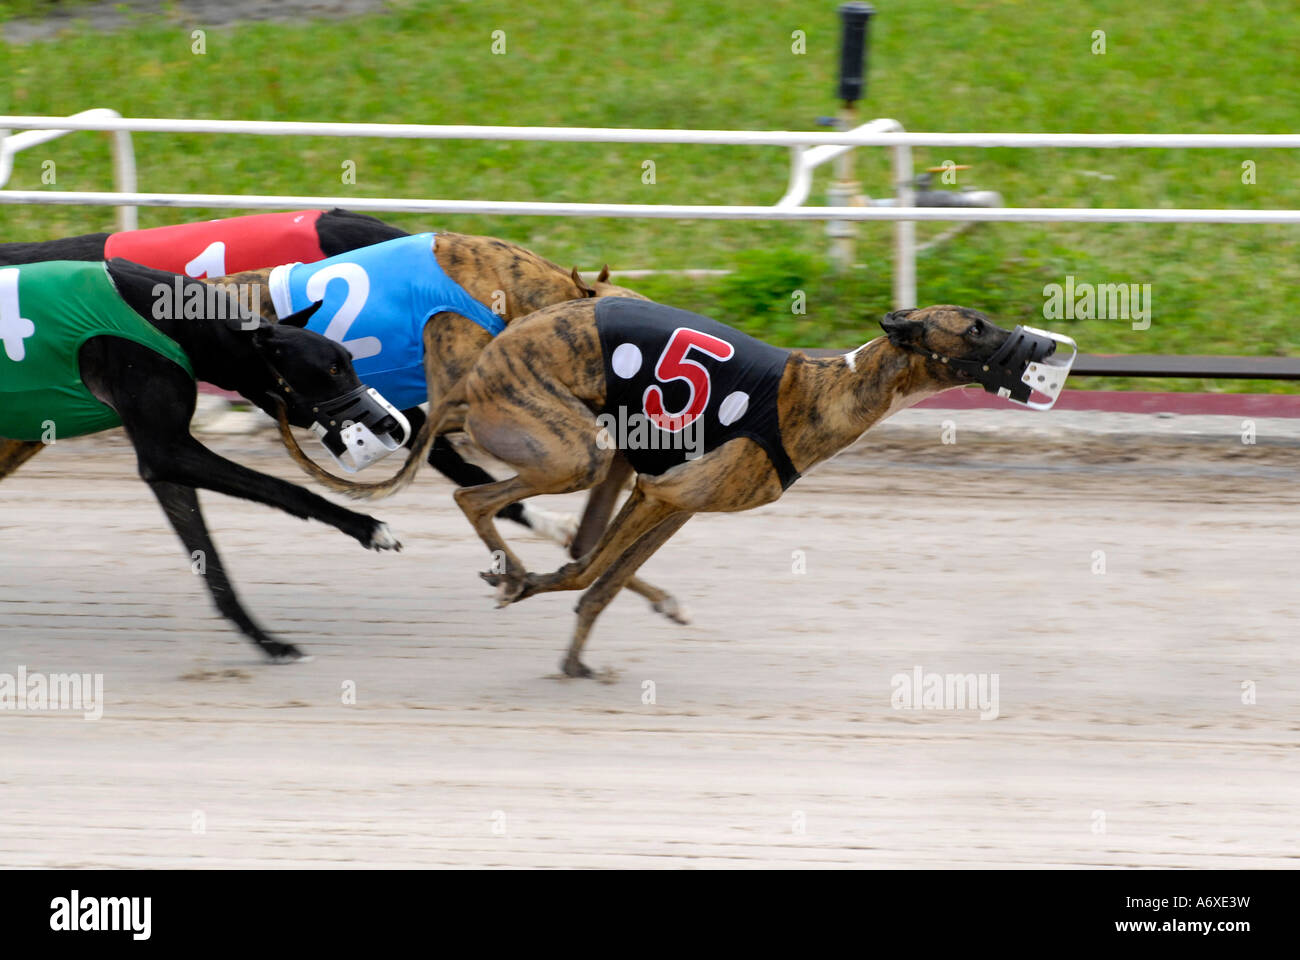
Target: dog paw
{"points": [[281, 653], [674, 611], [382, 538], [560, 527], [573, 667], [510, 586]]}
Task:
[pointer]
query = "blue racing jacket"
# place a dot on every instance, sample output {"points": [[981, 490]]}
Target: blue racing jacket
{"points": [[377, 301]]}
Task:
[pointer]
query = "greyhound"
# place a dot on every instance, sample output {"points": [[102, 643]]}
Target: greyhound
{"points": [[415, 343], [551, 396], [214, 248], [491, 271], [86, 347]]}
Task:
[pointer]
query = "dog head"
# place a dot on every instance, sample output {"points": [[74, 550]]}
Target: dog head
{"points": [[298, 365], [314, 378], [944, 332], [955, 346]]}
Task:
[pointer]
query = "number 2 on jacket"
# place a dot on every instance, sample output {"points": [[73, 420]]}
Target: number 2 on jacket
{"points": [[358, 283]]}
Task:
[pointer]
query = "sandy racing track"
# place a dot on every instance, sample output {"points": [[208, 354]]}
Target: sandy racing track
{"points": [[1122, 737]]}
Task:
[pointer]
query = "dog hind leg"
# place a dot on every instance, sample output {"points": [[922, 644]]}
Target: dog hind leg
{"points": [[14, 453], [560, 455], [181, 505]]}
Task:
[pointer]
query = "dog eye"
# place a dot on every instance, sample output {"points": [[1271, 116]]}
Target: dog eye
{"points": [[334, 371], [976, 329]]}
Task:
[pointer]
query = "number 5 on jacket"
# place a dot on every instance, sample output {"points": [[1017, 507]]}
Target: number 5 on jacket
{"points": [[674, 365]]}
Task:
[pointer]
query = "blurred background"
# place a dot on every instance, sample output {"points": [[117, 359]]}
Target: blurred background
{"points": [[999, 65]]}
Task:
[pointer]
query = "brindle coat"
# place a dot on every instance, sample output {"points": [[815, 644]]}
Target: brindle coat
{"points": [[531, 401], [491, 271]]}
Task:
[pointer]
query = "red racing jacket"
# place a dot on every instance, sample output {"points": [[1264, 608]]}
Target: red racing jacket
{"points": [[217, 248]]}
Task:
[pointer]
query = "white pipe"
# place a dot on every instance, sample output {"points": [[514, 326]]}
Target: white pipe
{"points": [[800, 179], [123, 156], [785, 138], [904, 231], [128, 216], [804, 161], [6, 157], [659, 211]]}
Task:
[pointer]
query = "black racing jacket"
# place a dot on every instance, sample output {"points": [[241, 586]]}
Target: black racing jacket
{"points": [[679, 385]]}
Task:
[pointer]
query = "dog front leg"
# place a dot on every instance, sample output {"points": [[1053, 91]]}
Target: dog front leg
{"points": [[640, 514], [609, 583], [155, 399], [594, 522], [189, 463], [181, 505]]}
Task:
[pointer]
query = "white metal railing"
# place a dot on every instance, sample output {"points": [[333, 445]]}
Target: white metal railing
{"points": [[123, 154], [825, 146], [781, 138]]}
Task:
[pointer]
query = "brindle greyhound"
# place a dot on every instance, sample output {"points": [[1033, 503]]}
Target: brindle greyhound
{"points": [[532, 402], [521, 283], [154, 399]]}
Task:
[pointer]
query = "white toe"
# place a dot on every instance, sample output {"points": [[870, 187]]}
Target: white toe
{"points": [[384, 539]]}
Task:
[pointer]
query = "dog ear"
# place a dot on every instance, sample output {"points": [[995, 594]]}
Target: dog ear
{"points": [[300, 318], [900, 329], [582, 284], [604, 274]]}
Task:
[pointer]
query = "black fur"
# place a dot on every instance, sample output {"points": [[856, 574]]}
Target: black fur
{"points": [[340, 231], [89, 246], [155, 400]]}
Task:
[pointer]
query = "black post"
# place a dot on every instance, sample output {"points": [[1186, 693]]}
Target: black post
{"points": [[856, 19]]}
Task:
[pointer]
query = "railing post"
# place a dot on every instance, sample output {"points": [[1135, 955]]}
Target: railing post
{"points": [[904, 230], [6, 158], [128, 216], [844, 189]]}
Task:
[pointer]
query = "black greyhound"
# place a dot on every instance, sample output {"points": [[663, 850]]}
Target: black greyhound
{"points": [[337, 231], [154, 398]]}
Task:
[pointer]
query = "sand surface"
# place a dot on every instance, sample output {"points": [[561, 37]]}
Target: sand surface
{"points": [[1121, 737]]}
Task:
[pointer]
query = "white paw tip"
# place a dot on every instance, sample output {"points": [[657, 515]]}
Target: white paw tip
{"points": [[384, 539], [560, 527]]}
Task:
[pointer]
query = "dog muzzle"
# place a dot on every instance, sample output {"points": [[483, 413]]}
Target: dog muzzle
{"points": [[359, 428], [1024, 366]]}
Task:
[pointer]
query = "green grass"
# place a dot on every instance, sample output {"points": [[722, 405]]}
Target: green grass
{"points": [[992, 65]]}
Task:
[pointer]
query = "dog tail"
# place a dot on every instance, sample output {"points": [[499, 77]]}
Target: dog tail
{"points": [[424, 438]]}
